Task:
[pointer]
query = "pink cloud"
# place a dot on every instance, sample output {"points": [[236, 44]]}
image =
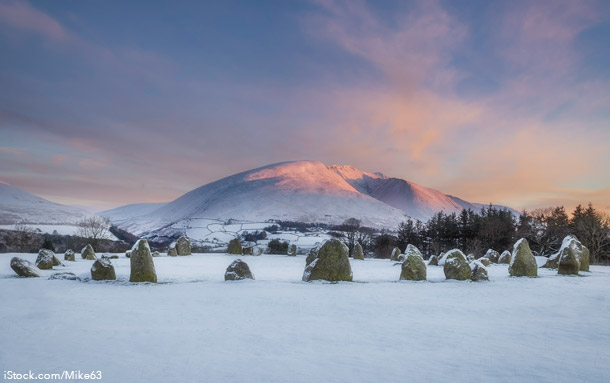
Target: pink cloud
{"points": [[20, 14]]}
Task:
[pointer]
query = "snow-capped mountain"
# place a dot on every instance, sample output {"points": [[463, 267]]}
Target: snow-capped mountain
{"points": [[18, 205], [307, 191], [417, 201]]}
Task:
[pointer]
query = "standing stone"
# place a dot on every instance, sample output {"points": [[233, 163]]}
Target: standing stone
{"points": [[505, 257], [64, 275], [128, 253], [56, 261], [492, 255], [569, 261], [234, 247], [456, 266], [237, 271], [442, 258], [413, 267], [44, 261], [522, 263], [24, 268], [172, 252], [142, 265], [69, 255], [88, 253], [479, 272], [102, 270], [358, 253], [395, 254], [584, 259], [183, 246], [331, 264], [292, 251], [433, 261], [156, 254]]}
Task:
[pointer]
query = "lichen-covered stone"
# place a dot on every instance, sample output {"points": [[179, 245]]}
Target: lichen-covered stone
{"points": [[183, 246], [433, 261], [522, 263], [142, 265], [456, 266], [292, 251], [67, 276], [413, 267], [44, 261], [584, 259], [156, 254], [479, 272], [24, 268], [505, 257], [128, 254], [485, 261], [358, 253], [102, 270], [69, 255], [395, 254], [234, 247], [331, 264], [237, 271], [492, 255], [172, 252], [88, 253]]}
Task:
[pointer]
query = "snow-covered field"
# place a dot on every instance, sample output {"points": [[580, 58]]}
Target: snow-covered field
{"points": [[195, 327]]}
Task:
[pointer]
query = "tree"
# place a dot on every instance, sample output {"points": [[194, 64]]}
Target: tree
{"points": [[25, 235], [592, 228], [351, 227], [93, 228]]}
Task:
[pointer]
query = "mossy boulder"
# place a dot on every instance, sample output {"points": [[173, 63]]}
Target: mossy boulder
{"points": [[456, 266], [492, 255], [237, 271], [479, 272], [24, 268], [88, 253], [522, 263], [505, 257], [395, 254], [44, 261], [172, 252], [142, 265], [102, 270], [484, 261], [183, 246], [331, 264], [358, 252], [433, 261], [69, 255], [234, 247], [292, 251], [413, 267]]}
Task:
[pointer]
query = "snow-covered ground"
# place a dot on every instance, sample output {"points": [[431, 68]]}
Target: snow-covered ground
{"points": [[193, 326]]}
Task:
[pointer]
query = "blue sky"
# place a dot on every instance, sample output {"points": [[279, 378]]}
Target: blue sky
{"points": [[105, 102]]}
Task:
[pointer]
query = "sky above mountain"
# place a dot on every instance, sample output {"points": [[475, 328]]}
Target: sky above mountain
{"points": [[104, 103]]}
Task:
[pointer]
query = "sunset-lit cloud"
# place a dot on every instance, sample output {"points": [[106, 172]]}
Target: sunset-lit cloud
{"points": [[505, 103]]}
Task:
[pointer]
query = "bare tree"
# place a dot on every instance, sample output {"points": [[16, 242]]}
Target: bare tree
{"points": [[93, 228], [25, 234]]}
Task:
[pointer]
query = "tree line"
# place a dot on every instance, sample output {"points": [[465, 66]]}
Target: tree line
{"points": [[491, 228]]}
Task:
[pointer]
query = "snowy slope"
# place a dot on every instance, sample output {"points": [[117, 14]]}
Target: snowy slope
{"points": [[123, 213], [18, 205]]}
